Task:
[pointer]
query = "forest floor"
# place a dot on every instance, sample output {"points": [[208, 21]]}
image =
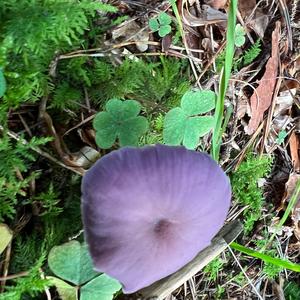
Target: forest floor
{"points": [[61, 61]]}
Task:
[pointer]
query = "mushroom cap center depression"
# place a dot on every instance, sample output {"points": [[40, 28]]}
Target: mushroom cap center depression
{"points": [[162, 227]]}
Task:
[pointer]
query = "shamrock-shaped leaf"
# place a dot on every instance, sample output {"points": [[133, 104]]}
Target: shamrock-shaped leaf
{"points": [[65, 290], [72, 262], [5, 236], [239, 35], [164, 30], [102, 287], [183, 125], [153, 24], [2, 83], [161, 24], [120, 120], [164, 19]]}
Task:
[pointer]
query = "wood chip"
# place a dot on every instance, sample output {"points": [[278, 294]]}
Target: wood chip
{"points": [[294, 148], [261, 100]]}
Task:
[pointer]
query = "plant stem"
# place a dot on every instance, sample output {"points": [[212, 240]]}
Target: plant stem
{"points": [[224, 79]]}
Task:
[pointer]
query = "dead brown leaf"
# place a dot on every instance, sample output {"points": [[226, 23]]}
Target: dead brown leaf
{"points": [[246, 7], [289, 190], [294, 148], [261, 100], [284, 102], [259, 23], [216, 4], [207, 16]]}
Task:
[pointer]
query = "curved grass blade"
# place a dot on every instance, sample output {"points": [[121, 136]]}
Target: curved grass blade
{"points": [[266, 258]]}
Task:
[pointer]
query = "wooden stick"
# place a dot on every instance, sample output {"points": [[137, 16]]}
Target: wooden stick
{"points": [[164, 287]]}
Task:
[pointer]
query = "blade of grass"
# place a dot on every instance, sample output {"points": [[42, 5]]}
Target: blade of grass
{"points": [[176, 13], [181, 30], [224, 79], [291, 205], [266, 258]]}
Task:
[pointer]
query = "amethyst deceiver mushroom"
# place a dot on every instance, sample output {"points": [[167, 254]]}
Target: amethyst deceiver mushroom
{"points": [[149, 211]]}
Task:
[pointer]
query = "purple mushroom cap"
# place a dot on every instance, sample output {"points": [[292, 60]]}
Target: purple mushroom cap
{"points": [[149, 211]]}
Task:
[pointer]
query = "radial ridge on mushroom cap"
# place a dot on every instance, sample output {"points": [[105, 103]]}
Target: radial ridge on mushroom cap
{"points": [[149, 211]]}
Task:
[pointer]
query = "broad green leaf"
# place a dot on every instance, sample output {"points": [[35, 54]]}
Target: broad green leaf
{"points": [[65, 290], [164, 19], [198, 102], [196, 127], [2, 84], [102, 287], [164, 30], [5, 237], [72, 262], [174, 126], [121, 121], [153, 24], [131, 130], [106, 130], [121, 110]]}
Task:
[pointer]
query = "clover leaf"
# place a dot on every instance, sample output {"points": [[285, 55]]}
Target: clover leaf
{"points": [[119, 121], [102, 287], [161, 24], [239, 35], [72, 262], [183, 125]]}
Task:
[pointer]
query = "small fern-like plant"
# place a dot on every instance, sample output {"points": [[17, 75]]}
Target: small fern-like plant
{"points": [[252, 53], [31, 33], [246, 190], [15, 157]]}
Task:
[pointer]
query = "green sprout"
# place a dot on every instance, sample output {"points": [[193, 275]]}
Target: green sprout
{"points": [[281, 136], [161, 24], [239, 35]]}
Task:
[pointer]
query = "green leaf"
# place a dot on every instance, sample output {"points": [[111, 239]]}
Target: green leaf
{"points": [[120, 121], [196, 127], [106, 130], [239, 35], [153, 24], [266, 258], [240, 41], [5, 237], [121, 110], [174, 126], [281, 136], [72, 262], [182, 125], [102, 287], [2, 84], [131, 130], [164, 19], [65, 290], [198, 102], [164, 30]]}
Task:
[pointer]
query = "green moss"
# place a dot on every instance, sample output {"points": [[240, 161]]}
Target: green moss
{"points": [[246, 190]]}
